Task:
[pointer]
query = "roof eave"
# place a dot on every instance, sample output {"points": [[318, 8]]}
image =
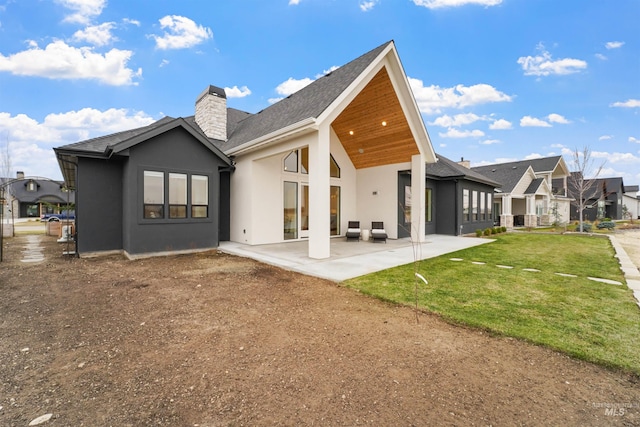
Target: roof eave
{"points": [[286, 132]]}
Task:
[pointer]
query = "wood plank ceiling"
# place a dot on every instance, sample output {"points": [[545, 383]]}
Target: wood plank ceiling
{"points": [[373, 128]]}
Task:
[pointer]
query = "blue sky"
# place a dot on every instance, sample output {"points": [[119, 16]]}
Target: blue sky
{"points": [[495, 80]]}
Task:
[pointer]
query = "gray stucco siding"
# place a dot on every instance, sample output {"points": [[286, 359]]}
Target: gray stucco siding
{"points": [[99, 205], [175, 151]]}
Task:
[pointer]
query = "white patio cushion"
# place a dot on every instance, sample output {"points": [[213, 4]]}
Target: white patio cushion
{"points": [[378, 231], [353, 230]]}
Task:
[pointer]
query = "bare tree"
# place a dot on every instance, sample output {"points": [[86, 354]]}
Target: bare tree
{"points": [[583, 180], [5, 189]]}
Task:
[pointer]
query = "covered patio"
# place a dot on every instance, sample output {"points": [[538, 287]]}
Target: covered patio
{"points": [[351, 259]]}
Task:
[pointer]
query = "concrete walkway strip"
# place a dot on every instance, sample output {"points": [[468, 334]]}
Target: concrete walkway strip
{"points": [[504, 266], [565, 275], [610, 282], [533, 270]]}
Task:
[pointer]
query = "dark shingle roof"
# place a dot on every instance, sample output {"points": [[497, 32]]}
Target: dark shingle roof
{"points": [[46, 191], [509, 174], [533, 187], [446, 168], [102, 143], [308, 102]]}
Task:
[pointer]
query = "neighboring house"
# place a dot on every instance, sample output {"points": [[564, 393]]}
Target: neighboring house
{"points": [[298, 170], [31, 197], [603, 198], [464, 198], [631, 199], [527, 196]]}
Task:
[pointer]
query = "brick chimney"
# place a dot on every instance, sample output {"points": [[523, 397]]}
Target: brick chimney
{"points": [[211, 112], [465, 163], [19, 175]]}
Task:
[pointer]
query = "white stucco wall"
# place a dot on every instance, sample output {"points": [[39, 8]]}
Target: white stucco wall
{"points": [[377, 196], [257, 190]]}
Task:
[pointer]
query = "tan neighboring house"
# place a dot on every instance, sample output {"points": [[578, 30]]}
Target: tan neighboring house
{"points": [[527, 196]]}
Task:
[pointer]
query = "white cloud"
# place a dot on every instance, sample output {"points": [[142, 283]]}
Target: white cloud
{"points": [[294, 2], [97, 35], [455, 121], [601, 57], [180, 33], [533, 156], [366, 6], [490, 141], [164, 63], [615, 157], [528, 121], [131, 21], [500, 124], [292, 85], [432, 99], [634, 139], [436, 4], [543, 64], [30, 141], [614, 45], [630, 103], [236, 92], [605, 137], [455, 133], [325, 72], [61, 61], [557, 118], [83, 10]]}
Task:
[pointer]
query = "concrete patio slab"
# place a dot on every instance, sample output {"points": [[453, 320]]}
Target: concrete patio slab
{"points": [[351, 259]]}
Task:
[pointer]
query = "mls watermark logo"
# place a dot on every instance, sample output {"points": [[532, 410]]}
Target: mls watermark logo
{"points": [[615, 409]]}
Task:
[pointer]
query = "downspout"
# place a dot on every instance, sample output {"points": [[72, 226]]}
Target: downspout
{"points": [[458, 225]]}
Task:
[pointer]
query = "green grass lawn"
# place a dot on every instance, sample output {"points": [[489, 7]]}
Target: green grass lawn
{"points": [[589, 320]]}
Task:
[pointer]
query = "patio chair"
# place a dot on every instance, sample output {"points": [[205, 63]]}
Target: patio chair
{"points": [[353, 232], [378, 234]]}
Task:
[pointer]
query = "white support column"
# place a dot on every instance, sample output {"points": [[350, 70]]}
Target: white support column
{"points": [[319, 195], [418, 184]]}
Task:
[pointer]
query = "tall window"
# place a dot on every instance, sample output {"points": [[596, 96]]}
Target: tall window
{"points": [[474, 204], [334, 207], [428, 205], [489, 205], [465, 205], [153, 194], [482, 205], [290, 210], [199, 196], [177, 195]]}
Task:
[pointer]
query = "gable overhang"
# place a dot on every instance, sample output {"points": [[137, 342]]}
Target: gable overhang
{"points": [[381, 93], [528, 172], [377, 118], [122, 147]]}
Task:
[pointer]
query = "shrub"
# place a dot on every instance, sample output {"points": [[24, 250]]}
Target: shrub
{"points": [[487, 232], [478, 233], [609, 225], [586, 227], [503, 229]]}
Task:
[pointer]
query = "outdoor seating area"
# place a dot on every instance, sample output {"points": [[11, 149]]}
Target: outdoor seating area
{"points": [[377, 232]]}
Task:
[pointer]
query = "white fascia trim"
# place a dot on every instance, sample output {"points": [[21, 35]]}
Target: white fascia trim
{"points": [[285, 132]]}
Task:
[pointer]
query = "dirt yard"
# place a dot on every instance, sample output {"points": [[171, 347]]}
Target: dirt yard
{"points": [[215, 340]]}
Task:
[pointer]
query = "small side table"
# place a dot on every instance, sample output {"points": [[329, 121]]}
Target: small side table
{"points": [[365, 234]]}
